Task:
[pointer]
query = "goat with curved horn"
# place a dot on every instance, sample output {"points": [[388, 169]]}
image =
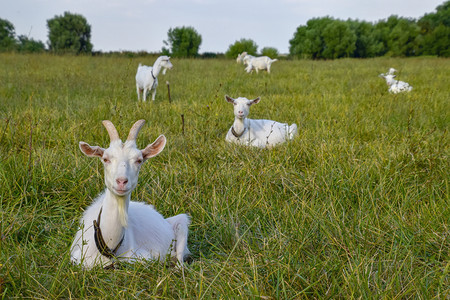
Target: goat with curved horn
{"points": [[115, 228], [112, 131], [134, 131]]}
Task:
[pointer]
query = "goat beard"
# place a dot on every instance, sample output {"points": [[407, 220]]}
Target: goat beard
{"points": [[122, 206]]}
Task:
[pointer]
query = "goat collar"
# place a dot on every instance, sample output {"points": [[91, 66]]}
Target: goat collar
{"points": [[151, 71], [100, 242], [235, 134]]}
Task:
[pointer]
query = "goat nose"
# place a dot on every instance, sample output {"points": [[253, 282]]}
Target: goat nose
{"points": [[122, 181]]}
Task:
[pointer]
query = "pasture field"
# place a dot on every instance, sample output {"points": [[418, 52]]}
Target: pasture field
{"points": [[357, 206]]}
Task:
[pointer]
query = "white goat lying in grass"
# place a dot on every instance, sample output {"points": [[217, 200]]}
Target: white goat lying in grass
{"points": [[147, 77], [258, 133], [114, 227], [259, 63], [396, 86]]}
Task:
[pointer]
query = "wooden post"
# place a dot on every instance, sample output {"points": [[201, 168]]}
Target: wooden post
{"points": [[168, 91], [182, 123]]}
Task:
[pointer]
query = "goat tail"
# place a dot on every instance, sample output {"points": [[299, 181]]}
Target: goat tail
{"points": [[292, 131]]}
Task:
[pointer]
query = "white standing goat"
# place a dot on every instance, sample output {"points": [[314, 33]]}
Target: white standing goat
{"points": [[259, 63], [240, 57], [147, 77], [396, 86], [113, 227], [258, 133], [247, 58]]}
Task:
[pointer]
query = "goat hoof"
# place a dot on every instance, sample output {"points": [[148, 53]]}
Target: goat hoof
{"points": [[188, 259]]}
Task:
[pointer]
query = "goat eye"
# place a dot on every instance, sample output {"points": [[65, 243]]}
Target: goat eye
{"points": [[139, 161], [105, 160]]}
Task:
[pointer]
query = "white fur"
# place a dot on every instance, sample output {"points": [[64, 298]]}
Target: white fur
{"points": [[147, 77], [246, 58], [396, 86], [147, 235], [258, 133], [391, 71], [259, 63], [240, 57]]}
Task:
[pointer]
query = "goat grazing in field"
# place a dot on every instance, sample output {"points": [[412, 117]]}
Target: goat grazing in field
{"points": [[113, 227], [147, 77], [259, 63], [396, 86], [258, 133]]}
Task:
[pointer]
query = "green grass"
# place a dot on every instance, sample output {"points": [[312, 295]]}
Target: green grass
{"points": [[357, 206]]}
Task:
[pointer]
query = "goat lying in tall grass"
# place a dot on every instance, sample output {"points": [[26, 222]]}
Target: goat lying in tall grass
{"points": [[114, 227], [258, 133], [396, 86]]}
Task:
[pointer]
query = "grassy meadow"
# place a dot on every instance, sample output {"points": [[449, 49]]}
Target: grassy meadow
{"points": [[357, 206]]}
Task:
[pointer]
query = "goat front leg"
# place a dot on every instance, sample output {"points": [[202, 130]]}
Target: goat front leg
{"points": [[153, 94], [138, 91], [145, 94], [180, 225]]}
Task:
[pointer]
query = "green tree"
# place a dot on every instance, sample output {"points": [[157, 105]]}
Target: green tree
{"points": [[398, 36], [402, 38], [183, 42], [7, 33], [367, 43], [270, 52], [243, 45], [69, 33], [26, 44], [339, 40], [308, 41], [435, 32]]}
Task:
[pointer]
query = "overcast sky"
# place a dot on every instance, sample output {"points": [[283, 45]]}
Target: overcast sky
{"points": [[143, 24]]}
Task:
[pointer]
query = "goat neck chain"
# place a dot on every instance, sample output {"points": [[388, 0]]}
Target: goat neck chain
{"points": [[100, 242], [235, 133]]}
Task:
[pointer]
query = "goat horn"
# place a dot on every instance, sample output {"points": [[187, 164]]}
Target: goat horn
{"points": [[112, 131], [135, 130]]}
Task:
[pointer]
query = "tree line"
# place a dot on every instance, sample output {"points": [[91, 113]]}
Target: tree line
{"points": [[328, 38], [320, 38]]}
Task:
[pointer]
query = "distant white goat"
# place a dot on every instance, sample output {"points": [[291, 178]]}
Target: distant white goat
{"points": [[396, 86], [113, 227], [240, 57], [258, 133], [147, 77], [259, 63], [247, 58]]}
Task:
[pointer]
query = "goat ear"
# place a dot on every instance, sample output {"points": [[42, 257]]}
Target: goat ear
{"points": [[229, 99], [91, 151], [155, 148], [254, 101]]}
